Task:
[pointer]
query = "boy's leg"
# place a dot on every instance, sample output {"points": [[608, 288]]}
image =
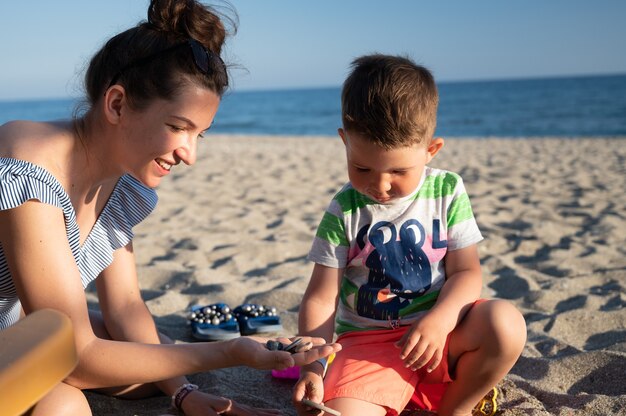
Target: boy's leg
{"points": [[367, 377], [355, 407], [482, 350]]}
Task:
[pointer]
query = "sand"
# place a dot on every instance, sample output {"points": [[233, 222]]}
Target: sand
{"points": [[236, 228]]}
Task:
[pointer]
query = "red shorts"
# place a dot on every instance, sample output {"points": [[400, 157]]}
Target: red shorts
{"points": [[369, 368]]}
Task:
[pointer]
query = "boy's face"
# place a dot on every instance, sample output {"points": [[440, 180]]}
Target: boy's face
{"points": [[386, 175]]}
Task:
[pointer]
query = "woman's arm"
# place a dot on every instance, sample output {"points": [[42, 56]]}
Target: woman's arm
{"points": [[46, 276], [126, 316]]}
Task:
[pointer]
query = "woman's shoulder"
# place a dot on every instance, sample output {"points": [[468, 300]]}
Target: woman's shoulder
{"points": [[14, 127], [19, 129], [29, 154], [33, 141], [21, 181]]}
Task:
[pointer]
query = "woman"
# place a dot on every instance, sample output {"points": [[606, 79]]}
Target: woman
{"points": [[71, 191]]}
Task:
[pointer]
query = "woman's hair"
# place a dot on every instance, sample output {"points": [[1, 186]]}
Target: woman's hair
{"points": [[390, 100], [159, 56]]}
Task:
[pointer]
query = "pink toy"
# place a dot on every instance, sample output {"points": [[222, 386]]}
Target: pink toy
{"points": [[289, 373]]}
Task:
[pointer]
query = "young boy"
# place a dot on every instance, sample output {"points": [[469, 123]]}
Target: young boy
{"points": [[396, 265]]}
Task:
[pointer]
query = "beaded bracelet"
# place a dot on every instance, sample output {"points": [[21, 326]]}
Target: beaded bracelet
{"points": [[180, 394]]}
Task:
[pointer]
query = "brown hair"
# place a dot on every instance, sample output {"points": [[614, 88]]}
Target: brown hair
{"points": [[390, 100], [146, 61]]}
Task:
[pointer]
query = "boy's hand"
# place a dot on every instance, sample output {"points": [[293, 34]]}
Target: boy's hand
{"points": [[309, 386], [423, 343]]}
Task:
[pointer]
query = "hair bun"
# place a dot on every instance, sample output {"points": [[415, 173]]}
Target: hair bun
{"points": [[168, 15], [189, 19]]}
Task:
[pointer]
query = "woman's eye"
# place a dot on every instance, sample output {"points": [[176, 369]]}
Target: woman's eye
{"points": [[175, 129]]}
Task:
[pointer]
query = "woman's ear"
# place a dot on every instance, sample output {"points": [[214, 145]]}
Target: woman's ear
{"points": [[114, 100], [434, 147]]}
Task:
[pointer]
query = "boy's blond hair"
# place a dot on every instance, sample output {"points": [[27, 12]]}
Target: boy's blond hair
{"points": [[390, 100]]}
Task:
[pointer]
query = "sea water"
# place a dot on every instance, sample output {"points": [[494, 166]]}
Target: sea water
{"points": [[565, 107]]}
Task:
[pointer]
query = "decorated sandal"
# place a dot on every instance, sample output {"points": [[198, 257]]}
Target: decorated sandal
{"points": [[254, 319], [213, 322], [488, 405]]}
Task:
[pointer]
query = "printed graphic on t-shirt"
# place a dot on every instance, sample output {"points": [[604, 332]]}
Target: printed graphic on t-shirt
{"points": [[399, 268]]}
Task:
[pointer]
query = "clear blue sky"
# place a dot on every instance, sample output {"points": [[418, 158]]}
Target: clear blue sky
{"points": [[45, 44]]}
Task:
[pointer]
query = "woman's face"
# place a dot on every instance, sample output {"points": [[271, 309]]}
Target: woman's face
{"points": [[166, 133]]}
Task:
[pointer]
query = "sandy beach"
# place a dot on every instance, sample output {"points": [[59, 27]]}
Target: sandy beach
{"points": [[236, 228]]}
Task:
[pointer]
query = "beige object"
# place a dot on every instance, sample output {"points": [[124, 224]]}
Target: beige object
{"points": [[35, 355]]}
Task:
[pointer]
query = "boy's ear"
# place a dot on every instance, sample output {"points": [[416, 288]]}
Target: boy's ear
{"points": [[342, 134], [434, 147], [114, 100]]}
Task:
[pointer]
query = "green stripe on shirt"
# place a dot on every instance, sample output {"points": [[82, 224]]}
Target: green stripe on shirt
{"points": [[347, 288], [438, 186], [351, 200], [344, 326], [422, 303], [332, 229], [460, 210]]}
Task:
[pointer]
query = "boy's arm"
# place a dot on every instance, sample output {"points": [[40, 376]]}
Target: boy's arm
{"points": [[462, 287], [424, 343], [316, 318], [317, 310]]}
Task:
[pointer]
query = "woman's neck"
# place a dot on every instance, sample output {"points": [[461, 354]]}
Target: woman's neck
{"points": [[91, 169]]}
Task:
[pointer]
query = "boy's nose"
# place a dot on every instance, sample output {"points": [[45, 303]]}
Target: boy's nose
{"points": [[382, 183]]}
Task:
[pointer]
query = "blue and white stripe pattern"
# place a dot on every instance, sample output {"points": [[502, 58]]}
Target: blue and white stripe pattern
{"points": [[129, 203]]}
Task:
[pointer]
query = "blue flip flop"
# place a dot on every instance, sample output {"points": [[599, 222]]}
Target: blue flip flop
{"points": [[213, 322], [254, 319]]}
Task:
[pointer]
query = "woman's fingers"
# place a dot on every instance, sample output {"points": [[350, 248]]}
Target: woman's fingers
{"points": [[254, 352], [315, 353], [305, 340]]}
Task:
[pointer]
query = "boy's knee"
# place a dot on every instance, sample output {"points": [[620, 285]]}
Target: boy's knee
{"points": [[506, 325]]}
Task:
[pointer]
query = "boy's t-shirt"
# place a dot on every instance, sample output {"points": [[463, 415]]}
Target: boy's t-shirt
{"points": [[392, 254]]}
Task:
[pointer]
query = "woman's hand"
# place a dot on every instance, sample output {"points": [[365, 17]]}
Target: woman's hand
{"points": [[424, 343], [198, 403], [309, 386], [253, 352]]}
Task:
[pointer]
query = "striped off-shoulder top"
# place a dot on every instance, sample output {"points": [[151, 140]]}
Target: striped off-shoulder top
{"points": [[129, 203]]}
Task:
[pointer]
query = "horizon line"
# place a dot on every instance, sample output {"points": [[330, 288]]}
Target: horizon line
{"points": [[322, 87]]}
